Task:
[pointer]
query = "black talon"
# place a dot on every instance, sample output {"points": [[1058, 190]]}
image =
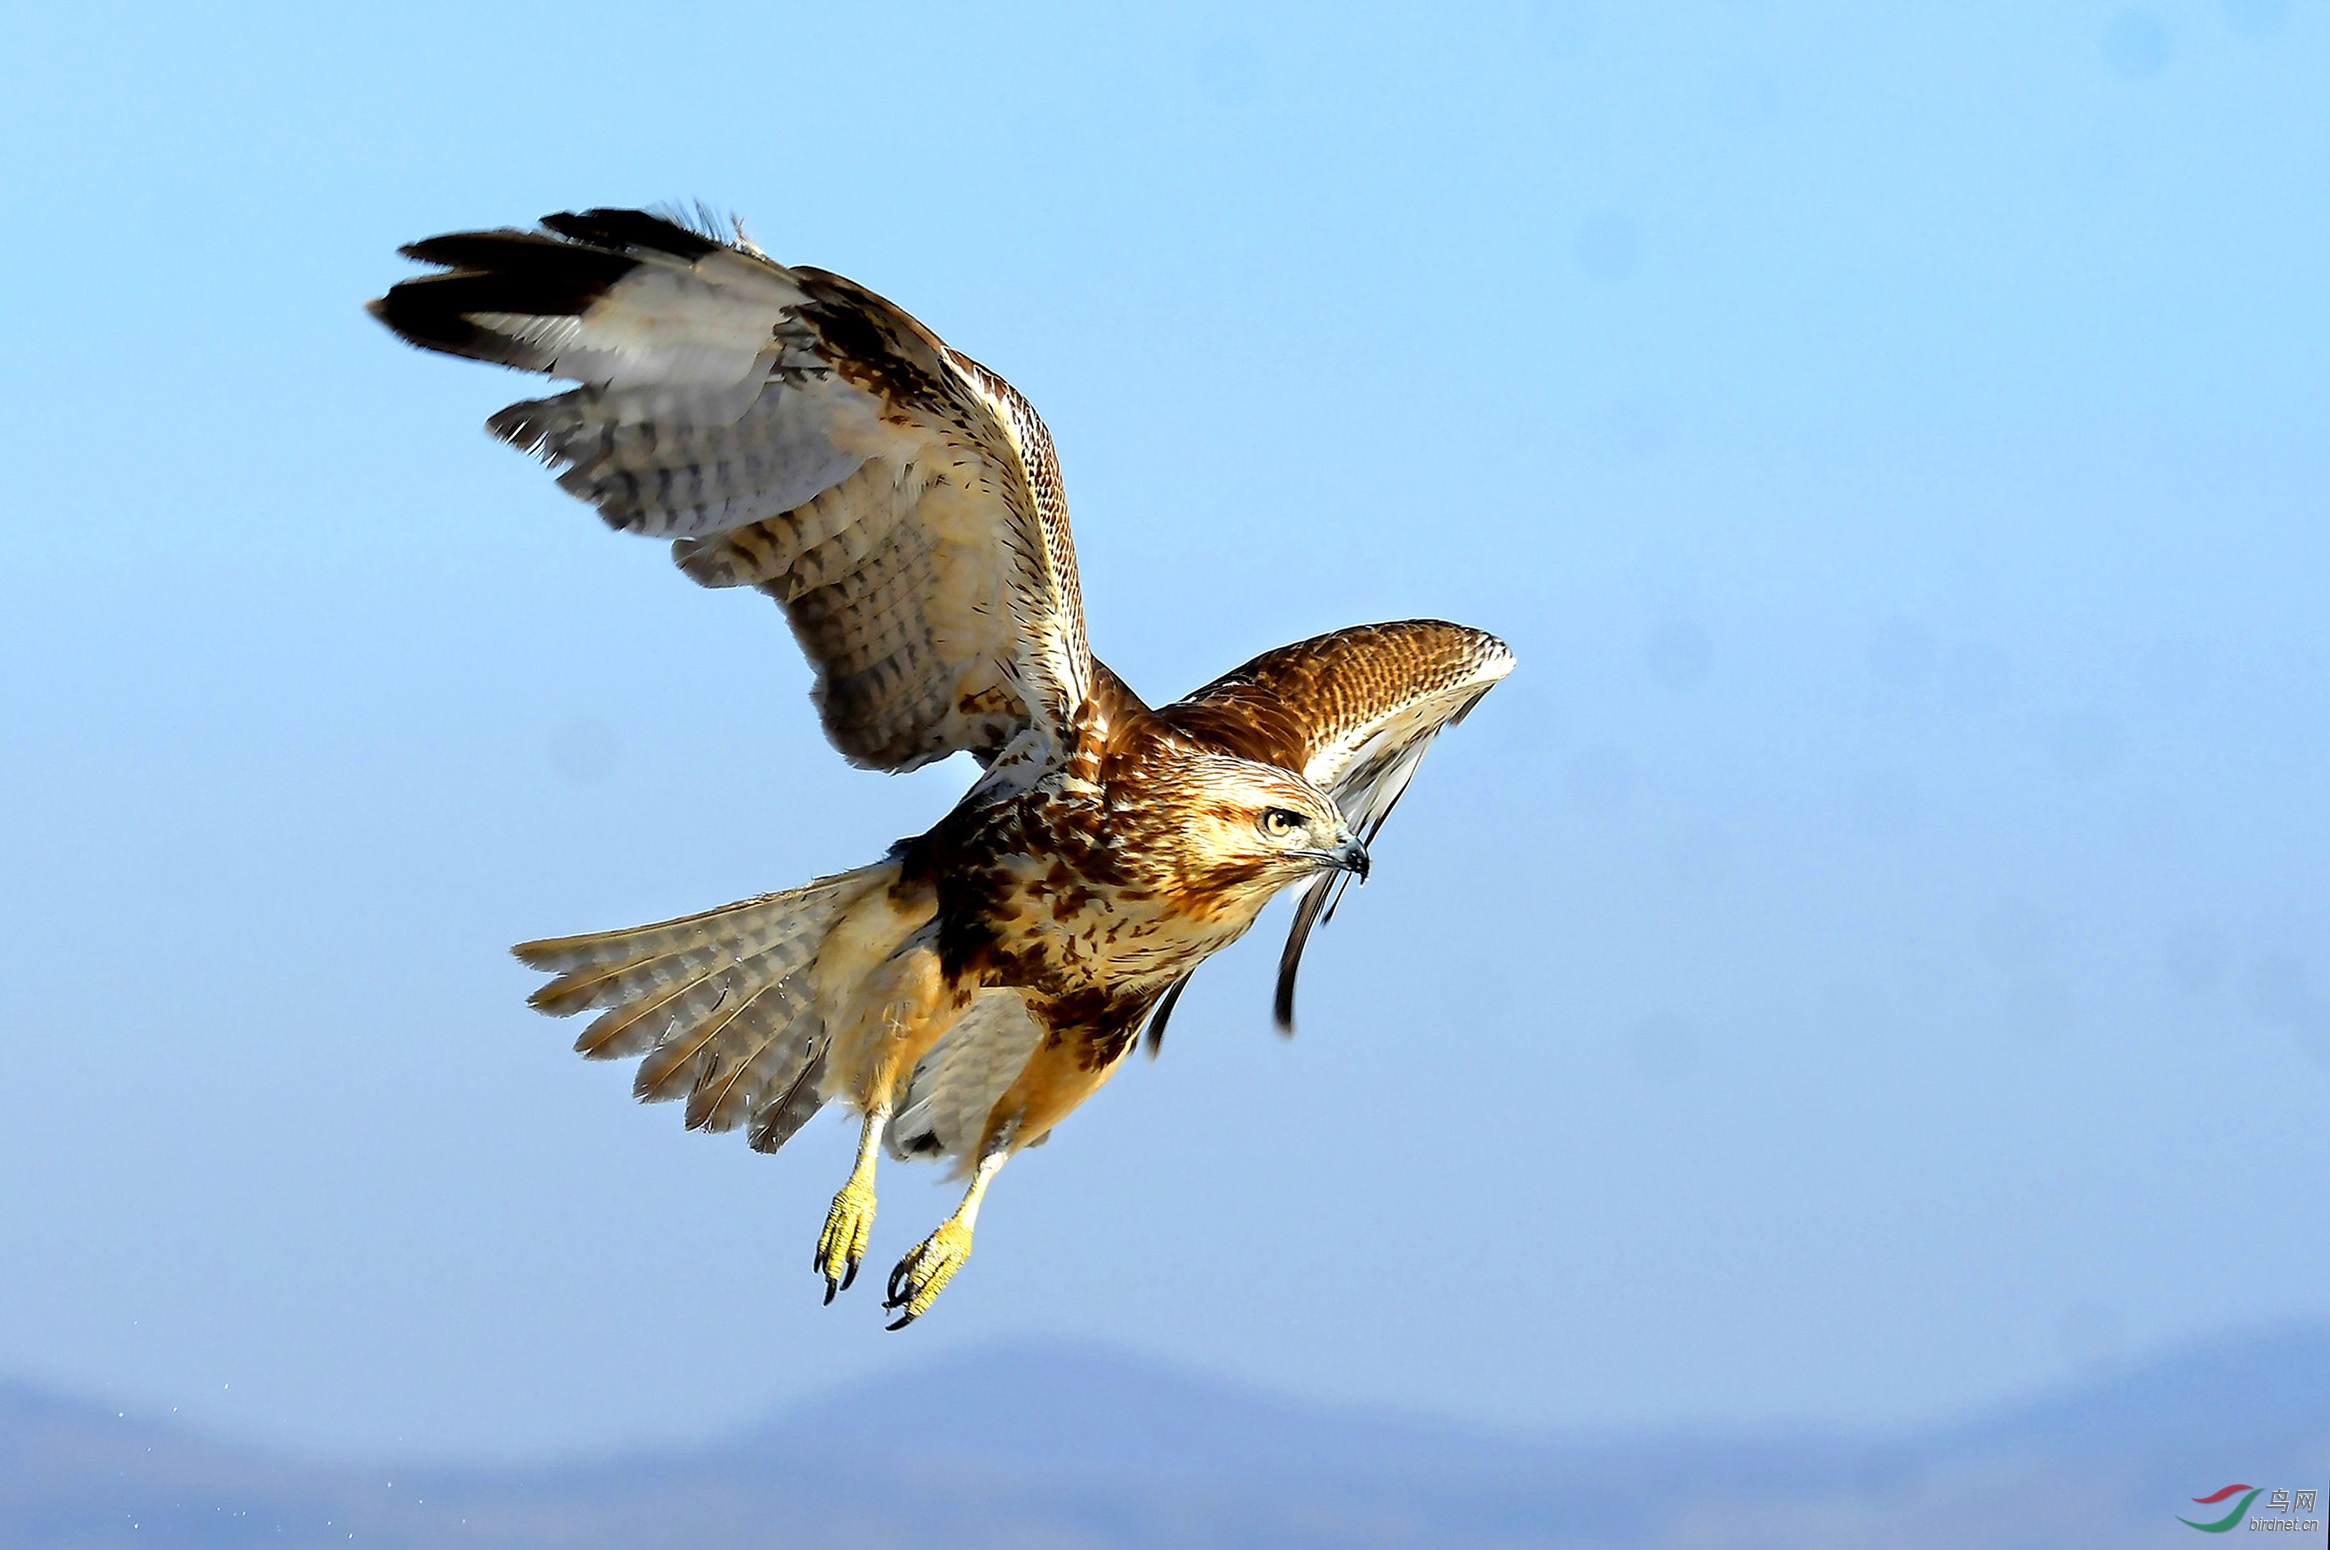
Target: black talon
{"points": [[847, 1281], [829, 1291], [902, 1322]]}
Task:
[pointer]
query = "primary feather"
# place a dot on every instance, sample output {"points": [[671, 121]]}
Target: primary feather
{"points": [[799, 434]]}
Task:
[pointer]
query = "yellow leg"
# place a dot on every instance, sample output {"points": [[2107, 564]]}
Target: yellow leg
{"points": [[851, 1221], [923, 1274]]}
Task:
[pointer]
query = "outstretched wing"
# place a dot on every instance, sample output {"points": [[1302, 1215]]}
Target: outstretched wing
{"points": [[794, 432], [1353, 713]]}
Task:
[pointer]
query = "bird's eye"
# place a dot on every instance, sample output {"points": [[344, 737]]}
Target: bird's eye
{"points": [[1278, 822]]}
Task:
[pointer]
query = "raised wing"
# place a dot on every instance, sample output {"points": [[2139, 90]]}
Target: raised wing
{"points": [[794, 432], [1353, 712]]}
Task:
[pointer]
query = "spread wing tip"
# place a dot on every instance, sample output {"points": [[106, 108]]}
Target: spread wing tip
{"points": [[799, 434], [499, 293]]}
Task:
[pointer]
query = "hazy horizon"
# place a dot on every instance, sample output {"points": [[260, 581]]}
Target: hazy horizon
{"points": [[2211, 1372]]}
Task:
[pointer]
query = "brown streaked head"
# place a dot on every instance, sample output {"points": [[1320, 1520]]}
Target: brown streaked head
{"points": [[1246, 829]]}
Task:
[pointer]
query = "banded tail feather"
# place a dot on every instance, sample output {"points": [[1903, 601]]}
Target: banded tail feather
{"points": [[718, 1007]]}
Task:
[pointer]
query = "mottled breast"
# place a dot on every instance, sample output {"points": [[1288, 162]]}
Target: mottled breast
{"points": [[1057, 893]]}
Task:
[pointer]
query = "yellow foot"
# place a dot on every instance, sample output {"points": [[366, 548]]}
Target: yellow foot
{"points": [[923, 1274], [843, 1243]]}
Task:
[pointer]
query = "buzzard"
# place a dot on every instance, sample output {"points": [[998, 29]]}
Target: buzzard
{"points": [[791, 431]]}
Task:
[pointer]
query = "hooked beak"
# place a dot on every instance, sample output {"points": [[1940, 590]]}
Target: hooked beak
{"points": [[1345, 855]]}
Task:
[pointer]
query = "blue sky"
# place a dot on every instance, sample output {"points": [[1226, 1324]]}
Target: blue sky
{"points": [[1871, 958]]}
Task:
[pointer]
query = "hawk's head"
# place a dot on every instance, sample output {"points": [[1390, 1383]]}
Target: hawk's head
{"points": [[1247, 829]]}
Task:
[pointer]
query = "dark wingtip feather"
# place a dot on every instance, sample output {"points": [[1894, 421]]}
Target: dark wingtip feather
{"points": [[524, 273], [632, 229], [1306, 915], [1164, 1013], [420, 319], [528, 253]]}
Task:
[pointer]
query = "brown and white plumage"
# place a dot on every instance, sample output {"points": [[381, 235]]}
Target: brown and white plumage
{"points": [[791, 431], [794, 432]]}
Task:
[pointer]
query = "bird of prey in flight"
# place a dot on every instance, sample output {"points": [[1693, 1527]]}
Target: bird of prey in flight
{"points": [[791, 431]]}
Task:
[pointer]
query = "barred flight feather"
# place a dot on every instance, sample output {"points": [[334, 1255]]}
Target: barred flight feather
{"points": [[718, 1006], [778, 1121], [771, 1041], [784, 923], [649, 1026], [908, 505], [706, 1018], [631, 1029], [757, 922]]}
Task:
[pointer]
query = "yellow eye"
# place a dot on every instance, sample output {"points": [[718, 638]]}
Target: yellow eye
{"points": [[1278, 822]]}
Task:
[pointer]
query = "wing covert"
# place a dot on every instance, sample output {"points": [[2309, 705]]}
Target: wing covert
{"points": [[791, 431]]}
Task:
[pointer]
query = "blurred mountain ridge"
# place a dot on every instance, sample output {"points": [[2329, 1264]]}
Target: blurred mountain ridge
{"points": [[1043, 1443]]}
